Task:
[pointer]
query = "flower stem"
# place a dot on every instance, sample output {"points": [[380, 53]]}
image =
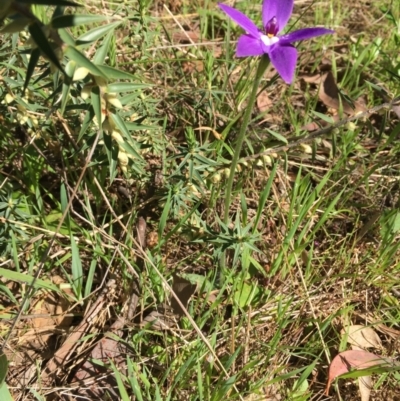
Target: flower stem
{"points": [[262, 66]]}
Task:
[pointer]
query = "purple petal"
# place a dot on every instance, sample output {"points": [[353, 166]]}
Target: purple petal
{"points": [[302, 34], [284, 59], [281, 9], [248, 45], [245, 22]]}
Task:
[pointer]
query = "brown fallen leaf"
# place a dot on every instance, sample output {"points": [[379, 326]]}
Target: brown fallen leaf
{"points": [[108, 348], [312, 79], [329, 94], [264, 103], [349, 360], [59, 359], [184, 290], [362, 337]]}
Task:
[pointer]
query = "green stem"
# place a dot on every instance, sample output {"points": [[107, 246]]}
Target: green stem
{"points": [[262, 66]]}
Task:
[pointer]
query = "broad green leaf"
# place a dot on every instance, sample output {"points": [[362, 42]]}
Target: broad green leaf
{"points": [[82, 61], [96, 33], [26, 278], [66, 37], [16, 26], [223, 389], [5, 393], [66, 21], [201, 281], [3, 368], [246, 294], [43, 44], [114, 73], [126, 87], [90, 277], [96, 104], [112, 154], [66, 87], [102, 51]]}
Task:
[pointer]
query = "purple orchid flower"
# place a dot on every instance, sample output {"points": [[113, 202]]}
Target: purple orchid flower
{"points": [[275, 15]]}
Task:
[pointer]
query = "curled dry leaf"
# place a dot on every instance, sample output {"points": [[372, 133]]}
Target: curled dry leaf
{"points": [[361, 336], [353, 360], [329, 95]]}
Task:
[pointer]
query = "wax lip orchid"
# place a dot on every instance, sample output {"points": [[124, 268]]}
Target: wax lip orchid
{"points": [[279, 48]]}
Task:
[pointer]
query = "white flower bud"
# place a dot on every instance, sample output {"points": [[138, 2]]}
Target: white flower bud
{"points": [[8, 98], [113, 99], [86, 91], [80, 73], [306, 148], [216, 178], [351, 126], [267, 160], [117, 136], [123, 158]]}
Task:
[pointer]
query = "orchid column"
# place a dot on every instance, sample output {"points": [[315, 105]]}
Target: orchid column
{"points": [[270, 45]]}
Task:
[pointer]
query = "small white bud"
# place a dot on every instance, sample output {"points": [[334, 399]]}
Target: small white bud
{"points": [[80, 73]]}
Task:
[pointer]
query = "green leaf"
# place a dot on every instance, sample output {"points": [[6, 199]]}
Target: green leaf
{"points": [[126, 87], [26, 278], [112, 154], [66, 37], [66, 21], [5, 393], [82, 61], [86, 122], [76, 267], [96, 33], [35, 54], [114, 73], [102, 51], [120, 382], [43, 44], [277, 136], [51, 2], [3, 368], [246, 294], [16, 26], [96, 104], [66, 87]]}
